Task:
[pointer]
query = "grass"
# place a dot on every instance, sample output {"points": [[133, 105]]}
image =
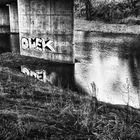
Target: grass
{"points": [[110, 12], [30, 109], [132, 20]]}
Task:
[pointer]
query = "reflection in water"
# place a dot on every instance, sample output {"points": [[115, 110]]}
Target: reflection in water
{"points": [[109, 66], [14, 43], [113, 67], [9, 43], [58, 75], [4, 43], [133, 56], [39, 74]]}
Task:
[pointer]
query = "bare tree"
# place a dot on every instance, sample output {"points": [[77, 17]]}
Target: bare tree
{"points": [[88, 9], [88, 6]]}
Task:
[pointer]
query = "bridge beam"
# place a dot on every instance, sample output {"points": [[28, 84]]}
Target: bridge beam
{"points": [[13, 12], [4, 19], [46, 29]]}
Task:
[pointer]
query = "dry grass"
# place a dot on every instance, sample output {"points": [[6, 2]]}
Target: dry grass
{"points": [[132, 20], [30, 109]]}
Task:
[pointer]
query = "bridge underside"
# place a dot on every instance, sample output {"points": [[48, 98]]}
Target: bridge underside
{"points": [[3, 2]]}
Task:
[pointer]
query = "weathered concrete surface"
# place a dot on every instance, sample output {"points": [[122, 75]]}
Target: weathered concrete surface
{"points": [[46, 29], [13, 12], [4, 19]]}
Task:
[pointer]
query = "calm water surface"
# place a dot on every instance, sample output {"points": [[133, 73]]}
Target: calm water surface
{"points": [[111, 62]]}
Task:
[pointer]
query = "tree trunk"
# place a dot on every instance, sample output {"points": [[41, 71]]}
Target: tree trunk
{"points": [[88, 10]]}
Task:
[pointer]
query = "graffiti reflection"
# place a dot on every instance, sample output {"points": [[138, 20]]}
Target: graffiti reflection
{"points": [[39, 74]]}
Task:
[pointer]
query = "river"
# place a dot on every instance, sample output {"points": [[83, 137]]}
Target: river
{"points": [[107, 66]]}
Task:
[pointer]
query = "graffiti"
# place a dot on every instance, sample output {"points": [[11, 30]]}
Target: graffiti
{"points": [[39, 74], [38, 44]]}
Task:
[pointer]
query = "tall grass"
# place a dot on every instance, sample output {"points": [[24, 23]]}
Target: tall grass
{"points": [[27, 113], [30, 109]]}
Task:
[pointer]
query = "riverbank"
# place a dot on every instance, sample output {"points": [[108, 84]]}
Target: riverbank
{"points": [[30, 109], [96, 26]]}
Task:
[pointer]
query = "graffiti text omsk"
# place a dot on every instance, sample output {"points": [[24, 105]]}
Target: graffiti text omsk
{"points": [[37, 43]]}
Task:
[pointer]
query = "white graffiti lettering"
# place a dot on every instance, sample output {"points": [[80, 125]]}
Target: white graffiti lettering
{"points": [[38, 44], [24, 43], [39, 74]]}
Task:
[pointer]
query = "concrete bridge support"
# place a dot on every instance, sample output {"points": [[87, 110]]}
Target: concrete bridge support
{"points": [[46, 29], [4, 19], [13, 12]]}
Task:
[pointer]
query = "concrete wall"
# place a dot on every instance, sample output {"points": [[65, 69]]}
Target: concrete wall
{"points": [[46, 29], [4, 19], [13, 12]]}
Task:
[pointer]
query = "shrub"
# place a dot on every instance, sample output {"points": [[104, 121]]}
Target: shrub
{"points": [[109, 12]]}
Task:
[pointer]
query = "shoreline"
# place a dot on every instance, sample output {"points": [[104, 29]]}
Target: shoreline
{"points": [[37, 110], [95, 26]]}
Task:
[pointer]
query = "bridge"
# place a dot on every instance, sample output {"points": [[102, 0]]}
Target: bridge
{"points": [[45, 27]]}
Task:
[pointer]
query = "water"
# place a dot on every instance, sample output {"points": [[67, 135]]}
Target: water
{"points": [[111, 62], [9, 43]]}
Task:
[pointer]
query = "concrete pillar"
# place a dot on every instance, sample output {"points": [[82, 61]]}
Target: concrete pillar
{"points": [[46, 29], [4, 19], [13, 12]]}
